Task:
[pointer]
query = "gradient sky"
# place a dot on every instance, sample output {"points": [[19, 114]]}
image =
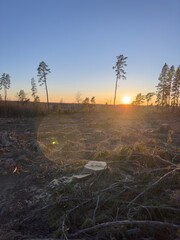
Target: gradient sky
{"points": [[80, 39]]}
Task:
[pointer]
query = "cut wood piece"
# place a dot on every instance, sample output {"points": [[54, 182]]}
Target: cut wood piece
{"points": [[82, 176], [95, 166]]}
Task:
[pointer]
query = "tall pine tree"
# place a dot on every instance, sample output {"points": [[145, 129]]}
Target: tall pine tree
{"points": [[169, 84], [163, 86], [176, 88], [5, 83], [120, 73]]}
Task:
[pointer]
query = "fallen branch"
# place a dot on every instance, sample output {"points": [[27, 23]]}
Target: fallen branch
{"points": [[51, 205], [153, 185], [66, 216], [114, 185], [155, 170], [125, 223], [157, 158], [60, 201], [155, 207], [164, 208], [94, 214]]}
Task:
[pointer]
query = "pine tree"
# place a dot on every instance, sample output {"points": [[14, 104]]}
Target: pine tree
{"points": [[139, 99], [158, 99], [120, 73], [22, 96], [34, 90], [162, 86], [43, 70], [169, 84], [149, 96], [5, 83], [176, 88]]}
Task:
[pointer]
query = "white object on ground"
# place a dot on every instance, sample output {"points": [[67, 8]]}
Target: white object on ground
{"points": [[82, 176], [95, 166]]}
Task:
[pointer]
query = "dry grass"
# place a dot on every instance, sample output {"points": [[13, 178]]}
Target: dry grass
{"points": [[136, 198]]}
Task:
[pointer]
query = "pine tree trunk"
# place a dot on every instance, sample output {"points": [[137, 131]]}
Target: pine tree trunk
{"points": [[47, 95], [5, 94], [115, 92]]}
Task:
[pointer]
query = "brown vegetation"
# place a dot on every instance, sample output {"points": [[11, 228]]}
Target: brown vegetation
{"points": [[137, 197]]}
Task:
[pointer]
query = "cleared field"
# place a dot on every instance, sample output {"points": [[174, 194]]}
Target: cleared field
{"points": [[137, 197]]}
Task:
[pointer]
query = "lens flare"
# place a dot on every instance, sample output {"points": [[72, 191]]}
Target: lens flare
{"points": [[126, 100]]}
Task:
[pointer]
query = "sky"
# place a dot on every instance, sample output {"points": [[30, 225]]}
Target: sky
{"points": [[79, 41]]}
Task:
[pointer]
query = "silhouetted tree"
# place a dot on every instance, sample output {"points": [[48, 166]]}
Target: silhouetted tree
{"points": [[34, 90], [36, 99], [93, 103], [22, 96], [169, 83], [86, 101], [149, 96], [158, 99], [78, 98], [93, 100], [86, 105], [5, 83], [139, 99], [43, 70], [120, 73], [162, 87], [176, 88]]}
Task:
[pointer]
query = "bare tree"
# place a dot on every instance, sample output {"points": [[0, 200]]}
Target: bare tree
{"points": [[120, 73], [43, 70], [34, 90], [5, 83], [78, 97]]}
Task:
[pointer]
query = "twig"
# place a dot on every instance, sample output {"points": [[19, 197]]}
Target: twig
{"points": [[94, 214], [114, 196], [117, 213], [51, 205], [157, 158], [153, 185], [114, 185], [155, 170], [159, 207], [177, 154], [165, 208], [65, 217], [63, 230], [96, 178], [125, 223]]}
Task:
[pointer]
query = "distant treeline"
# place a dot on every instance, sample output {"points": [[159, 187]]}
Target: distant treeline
{"points": [[168, 89], [167, 94]]}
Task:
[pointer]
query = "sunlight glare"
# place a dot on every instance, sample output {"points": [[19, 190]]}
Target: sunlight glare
{"points": [[126, 100]]}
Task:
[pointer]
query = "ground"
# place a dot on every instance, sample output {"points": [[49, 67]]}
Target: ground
{"points": [[39, 197]]}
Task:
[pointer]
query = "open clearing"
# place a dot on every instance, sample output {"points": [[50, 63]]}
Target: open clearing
{"points": [[137, 197]]}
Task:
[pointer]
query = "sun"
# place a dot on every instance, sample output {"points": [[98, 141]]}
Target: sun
{"points": [[126, 100]]}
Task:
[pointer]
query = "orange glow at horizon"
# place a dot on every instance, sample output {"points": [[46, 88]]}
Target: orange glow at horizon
{"points": [[126, 100]]}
